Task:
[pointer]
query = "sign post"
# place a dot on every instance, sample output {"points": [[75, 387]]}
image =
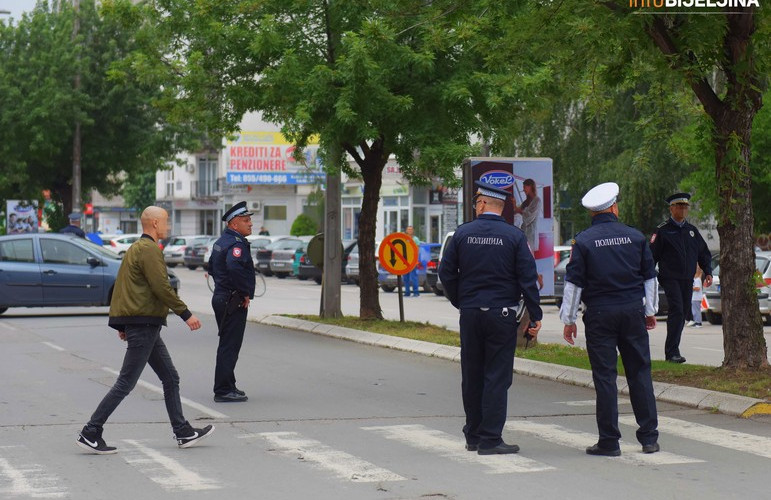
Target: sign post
{"points": [[398, 255]]}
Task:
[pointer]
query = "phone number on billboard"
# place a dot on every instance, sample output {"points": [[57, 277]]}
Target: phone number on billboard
{"points": [[242, 178]]}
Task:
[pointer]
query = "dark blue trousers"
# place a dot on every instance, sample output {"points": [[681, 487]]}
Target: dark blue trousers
{"points": [[487, 343], [622, 329], [679, 293], [231, 328]]}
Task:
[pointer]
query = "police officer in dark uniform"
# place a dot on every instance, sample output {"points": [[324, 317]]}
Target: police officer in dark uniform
{"points": [[485, 269], [611, 270], [677, 246], [232, 268], [74, 226]]}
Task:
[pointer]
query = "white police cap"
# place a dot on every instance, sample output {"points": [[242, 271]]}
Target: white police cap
{"points": [[600, 197]]}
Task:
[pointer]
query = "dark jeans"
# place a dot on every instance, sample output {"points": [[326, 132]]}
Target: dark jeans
{"points": [[678, 294], [145, 346], [487, 343], [624, 329], [231, 333]]}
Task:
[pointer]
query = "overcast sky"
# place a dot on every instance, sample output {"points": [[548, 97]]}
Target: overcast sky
{"points": [[17, 7]]}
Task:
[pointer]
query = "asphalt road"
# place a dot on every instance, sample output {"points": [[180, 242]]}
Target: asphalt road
{"points": [[327, 419]]}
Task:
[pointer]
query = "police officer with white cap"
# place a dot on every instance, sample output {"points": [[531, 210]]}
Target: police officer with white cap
{"points": [[611, 270], [677, 246], [232, 268], [485, 269], [74, 226]]}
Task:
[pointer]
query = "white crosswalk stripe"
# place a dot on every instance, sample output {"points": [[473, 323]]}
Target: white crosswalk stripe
{"points": [[734, 440], [630, 453], [26, 479], [339, 463], [164, 470], [447, 446]]}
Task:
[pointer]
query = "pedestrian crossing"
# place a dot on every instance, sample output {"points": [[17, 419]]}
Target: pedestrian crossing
{"points": [[335, 458]]}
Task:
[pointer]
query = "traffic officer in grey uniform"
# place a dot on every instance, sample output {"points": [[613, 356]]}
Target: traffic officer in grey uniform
{"points": [[232, 268], [677, 246], [485, 269], [611, 270]]}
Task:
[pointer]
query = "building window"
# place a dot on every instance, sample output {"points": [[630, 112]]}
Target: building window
{"points": [[274, 212]]}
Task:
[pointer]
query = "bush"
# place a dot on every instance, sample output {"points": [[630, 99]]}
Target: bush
{"points": [[303, 226]]}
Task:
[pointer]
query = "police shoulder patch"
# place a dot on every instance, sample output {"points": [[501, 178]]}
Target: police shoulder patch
{"points": [[236, 252]]}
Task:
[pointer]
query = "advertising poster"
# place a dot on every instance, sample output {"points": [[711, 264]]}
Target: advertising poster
{"points": [[530, 182], [268, 158], [21, 217]]}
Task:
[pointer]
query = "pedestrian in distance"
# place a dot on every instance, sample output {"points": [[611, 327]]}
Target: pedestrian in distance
{"points": [[677, 247], [232, 268], [263, 231], [141, 300], [486, 268], [411, 280], [74, 226], [696, 299], [611, 270]]}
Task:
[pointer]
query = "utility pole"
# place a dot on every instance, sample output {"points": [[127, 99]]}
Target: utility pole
{"points": [[76, 150], [330, 282]]}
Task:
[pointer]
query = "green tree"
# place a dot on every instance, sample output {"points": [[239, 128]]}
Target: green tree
{"points": [[122, 131], [371, 78], [139, 190], [303, 225], [594, 47]]}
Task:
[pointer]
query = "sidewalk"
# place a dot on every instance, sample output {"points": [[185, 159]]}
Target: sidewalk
{"points": [[729, 404]]}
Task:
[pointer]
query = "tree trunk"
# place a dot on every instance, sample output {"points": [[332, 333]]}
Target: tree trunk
{"points": [[743, 341], [369, 296]]}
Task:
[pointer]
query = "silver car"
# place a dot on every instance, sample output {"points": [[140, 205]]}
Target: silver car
{"points": [[714, 312]]}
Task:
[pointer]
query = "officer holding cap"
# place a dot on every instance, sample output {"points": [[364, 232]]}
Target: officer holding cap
{"points": [[611, 270], [485, 269], [232, 268], [74, 226], [677, 246]]}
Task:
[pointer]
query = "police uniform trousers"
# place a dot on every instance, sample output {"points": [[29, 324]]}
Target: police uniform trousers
{"points": [[679, 293], [622, 328], [487, 343], [231, 332]]}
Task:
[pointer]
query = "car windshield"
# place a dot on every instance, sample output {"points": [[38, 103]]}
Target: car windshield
{"points": [[95, 247], [198, 241]]}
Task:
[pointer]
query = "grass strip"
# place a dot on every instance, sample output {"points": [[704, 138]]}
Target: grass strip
{"points": [[751, 383]]}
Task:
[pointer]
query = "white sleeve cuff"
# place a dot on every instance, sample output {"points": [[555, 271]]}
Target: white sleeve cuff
{"points": [[571, 300], [651, 296]]}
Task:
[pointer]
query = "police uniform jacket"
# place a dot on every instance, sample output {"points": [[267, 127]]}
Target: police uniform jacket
{"points": [[677, 250], [488, 264], [231, 266], [610, 261], [74, 230]]}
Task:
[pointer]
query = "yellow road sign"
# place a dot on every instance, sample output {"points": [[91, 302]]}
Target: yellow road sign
{"points": [[398, 253]]}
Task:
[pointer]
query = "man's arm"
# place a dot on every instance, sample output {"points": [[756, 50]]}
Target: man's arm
{"points": [[154, 269]]}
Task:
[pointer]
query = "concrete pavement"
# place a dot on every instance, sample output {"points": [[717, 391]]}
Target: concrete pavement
{"points": [[729, 404]]}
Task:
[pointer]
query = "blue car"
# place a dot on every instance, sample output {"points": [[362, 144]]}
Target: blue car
{"points": [[51, 269], [426, 252]]}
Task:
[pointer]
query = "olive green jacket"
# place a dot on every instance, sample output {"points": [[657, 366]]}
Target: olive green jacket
{"points": [[142, 294]]}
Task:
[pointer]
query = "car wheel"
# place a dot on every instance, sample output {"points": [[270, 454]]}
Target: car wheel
{"points": [[317, 280], [3, 309], [173, 264], [302, 278], [437, 291], [192, 268], [714, 318], [388, 288], [281, 275]]}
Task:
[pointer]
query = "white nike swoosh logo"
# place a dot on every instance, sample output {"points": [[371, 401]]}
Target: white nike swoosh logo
{"points": [[92, 445], [195, 435]]}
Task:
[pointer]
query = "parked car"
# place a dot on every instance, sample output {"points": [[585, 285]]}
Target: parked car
{"points": [[714, 311], [439, 290], [561, 252], [559, 288], [52, 269], [258, 242], [352, 264], [263, 255], [426, 252], [119, 243], [195, 252], [306, 269], [174, 251], [283, 255], [432, 275]]}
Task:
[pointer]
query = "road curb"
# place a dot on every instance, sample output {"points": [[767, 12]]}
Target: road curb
{"points": [[729, 404]]}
